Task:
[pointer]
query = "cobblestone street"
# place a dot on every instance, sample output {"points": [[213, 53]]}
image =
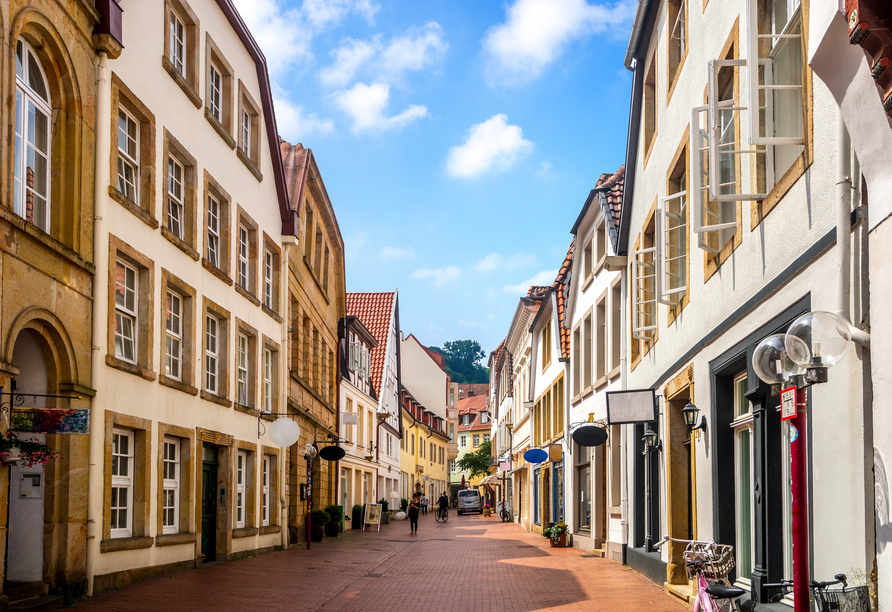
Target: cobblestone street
{"points": [[469, 564]]}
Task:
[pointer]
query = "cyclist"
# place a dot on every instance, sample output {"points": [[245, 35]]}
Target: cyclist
{"points": [[443, 503]]}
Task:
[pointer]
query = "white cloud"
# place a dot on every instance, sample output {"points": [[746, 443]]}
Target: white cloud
{"points": [[348, 58], [295, 123], [389, 252], [536, 32], [366, 105], [282, 34], [323, 13], [546, 171], [353, 244], [546, 277], [438, 277], [495, 261], [493, 143]]}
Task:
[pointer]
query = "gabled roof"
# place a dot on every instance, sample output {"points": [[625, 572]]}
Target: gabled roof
{"points": [[562, 279], [538, 291], [374, 310], [474, 406], [610, 197]]}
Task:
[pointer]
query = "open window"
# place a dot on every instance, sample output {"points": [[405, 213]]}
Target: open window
{"points": [[645, 289], [673, 247]]}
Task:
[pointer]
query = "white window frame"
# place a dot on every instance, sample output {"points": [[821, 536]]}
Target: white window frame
{"points": [[680, 26], [122, 479], [177, 51], [267, 380], [124, 313], [476, 440], [642, 271], [265, 490], [173, 327], [672, 223], [241, 477], [244, 245], [268, 279], [463, 441], [242, 375], [126, 160], [741, 423], [26, 95], [213, 237], [246, 132], [170, 505], [211, 355], [215, 92], [176, 202]]}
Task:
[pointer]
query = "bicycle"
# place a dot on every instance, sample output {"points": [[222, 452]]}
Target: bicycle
{"points": [[709, 564], [845, 599], [504, 512], [442, 514]]}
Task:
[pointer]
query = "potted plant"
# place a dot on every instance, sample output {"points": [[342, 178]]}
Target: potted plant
{"points": [[333, 526], [385, 514], [404, 504], [14, 449], [557, 534], [318, 520], [487, 510], [356, 517]]}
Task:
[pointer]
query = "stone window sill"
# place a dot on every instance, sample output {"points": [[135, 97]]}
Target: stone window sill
{"points": [[171, 539], [187, 87], [216, 399], [133, 207], [115, 544], [270, 529], [244, 532], [249, 164], [224, 133], [247, 295], [216, 271], [245, 409], [271, 313], [177, 384], [120, 364], [180, 243]]}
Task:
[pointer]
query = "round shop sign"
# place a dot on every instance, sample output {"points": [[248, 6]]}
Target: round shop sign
{"points": [[590, 435], [535, 455]]}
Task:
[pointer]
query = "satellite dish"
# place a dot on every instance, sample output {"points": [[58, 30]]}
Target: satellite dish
{"points": [[590, 435], [332, 453], [535, 455]]}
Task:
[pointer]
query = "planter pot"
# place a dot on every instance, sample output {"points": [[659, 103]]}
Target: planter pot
{"points": [[356, 519], [332, 529], [317, 532], [385, 518], [561, 543]]}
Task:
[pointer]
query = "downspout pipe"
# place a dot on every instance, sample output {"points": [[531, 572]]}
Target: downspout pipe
{"points": [[100, 299], [844, 231]]}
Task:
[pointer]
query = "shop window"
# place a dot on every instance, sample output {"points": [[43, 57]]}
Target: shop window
{"points": [[241, 480]]}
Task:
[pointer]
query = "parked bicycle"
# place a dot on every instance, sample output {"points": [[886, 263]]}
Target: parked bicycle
{"points": [[504, 512], [442, 514], [709, 564], [828, 599]]}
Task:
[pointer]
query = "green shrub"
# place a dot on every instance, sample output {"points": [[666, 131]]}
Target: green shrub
{"points": [[319, 517], [554, 532], [357, 508], [335, 512], [383, 503], [404, 503]]}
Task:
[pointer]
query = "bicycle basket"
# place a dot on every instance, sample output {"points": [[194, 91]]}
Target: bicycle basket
{"points": [[715, 563], [849, 599]]}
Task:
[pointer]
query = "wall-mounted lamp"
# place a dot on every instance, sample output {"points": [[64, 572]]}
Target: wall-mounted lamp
{"points": [[690, 413], [651, 443]]}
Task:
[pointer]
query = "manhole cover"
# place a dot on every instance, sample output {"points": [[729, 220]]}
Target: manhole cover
{"points": [[372, 575]]}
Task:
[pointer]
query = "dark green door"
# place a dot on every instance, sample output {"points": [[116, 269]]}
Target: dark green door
{"points": [[209, 504]]}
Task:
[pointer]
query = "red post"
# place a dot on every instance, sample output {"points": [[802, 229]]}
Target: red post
{"points": [[309, 499], [799, 478]]}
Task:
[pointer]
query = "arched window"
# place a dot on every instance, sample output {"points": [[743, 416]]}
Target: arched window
{"points": [[32, 139]]}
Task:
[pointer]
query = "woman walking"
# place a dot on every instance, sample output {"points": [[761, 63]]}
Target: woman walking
{"points": [[414, 509]]}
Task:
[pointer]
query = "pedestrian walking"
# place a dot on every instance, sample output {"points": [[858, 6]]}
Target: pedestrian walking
{"points": [[425, 502], [414, 510]]}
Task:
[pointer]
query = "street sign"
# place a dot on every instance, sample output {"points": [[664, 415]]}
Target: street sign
{"points": [[788, 403]]}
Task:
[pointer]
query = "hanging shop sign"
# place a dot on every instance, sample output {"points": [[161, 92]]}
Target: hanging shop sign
{"points": [[51, 421], [332, 453], [535, 455], [635, 406], [590, 435]]}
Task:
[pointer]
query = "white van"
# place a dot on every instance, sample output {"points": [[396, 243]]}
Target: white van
{"points": [[469, 501]]}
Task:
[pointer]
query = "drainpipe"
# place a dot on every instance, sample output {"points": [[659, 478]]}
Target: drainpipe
{"points": [[844, 231], [100, 302], [289, 243], [624, 456]]}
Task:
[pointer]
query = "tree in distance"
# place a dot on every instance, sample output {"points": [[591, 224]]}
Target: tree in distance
{"points": [[463, 361], [477, 462]]}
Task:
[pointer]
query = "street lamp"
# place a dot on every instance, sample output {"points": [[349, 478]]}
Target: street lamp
{"points": [[651, 445], [309, 453], [813, 342], [689, 413]]}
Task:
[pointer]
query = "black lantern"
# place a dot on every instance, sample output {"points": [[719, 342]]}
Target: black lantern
{"points": [[690, 413], [651, 443]]}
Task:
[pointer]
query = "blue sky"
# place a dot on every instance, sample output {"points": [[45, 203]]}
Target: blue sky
{"points": [[457, 139]]}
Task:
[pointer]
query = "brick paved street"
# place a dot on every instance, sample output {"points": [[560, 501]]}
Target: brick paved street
{"points": [[469, 564]]}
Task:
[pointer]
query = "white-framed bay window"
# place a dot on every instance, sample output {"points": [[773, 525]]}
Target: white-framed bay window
{"points": [[743, 476], [211, 356], [241, 477], [171, 482], [173, 326], [265, 493], [121, 509], [126, 302]]}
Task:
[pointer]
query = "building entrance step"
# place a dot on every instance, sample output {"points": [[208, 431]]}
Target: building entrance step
{"points": [[684, 592], [45, 603], [16, 591]]}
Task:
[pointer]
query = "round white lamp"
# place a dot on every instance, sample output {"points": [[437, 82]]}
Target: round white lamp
{"points": [[772, 363], [309, 451], [818, 340], [284, 432]]}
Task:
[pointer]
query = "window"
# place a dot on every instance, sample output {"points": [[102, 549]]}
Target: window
{"points": [[241, 477], [584, 487], [177, 47], [268, 279], [476, 440], [128, 155], [649, 110], [452, 465], [125, 312], [245, 143], [211, 364], [674, 233], [215, 92], [243, 268], [171, 496], [360, 417], [545, 339], [600, 358], [616, 321], [175, 197], [463, 441], [180, 57], [249, 131], [743, 473], [678, 39], [122, 484], [587, 365], [600, 241], [267, 380], [174, 335], [645, 282], [485, 438], [32, 139], [213, 234], [242, 376], [265, 496], [588, 254]]}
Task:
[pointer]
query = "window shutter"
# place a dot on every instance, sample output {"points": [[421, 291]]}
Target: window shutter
{"points": [[673, 240], [354, 365], [774, 76], [644, 292]]}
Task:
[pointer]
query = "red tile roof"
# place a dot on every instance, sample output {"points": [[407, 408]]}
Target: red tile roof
{"points": [[466, 390], [561, 298], [374, 310], [537, 292], [474, 406]]}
